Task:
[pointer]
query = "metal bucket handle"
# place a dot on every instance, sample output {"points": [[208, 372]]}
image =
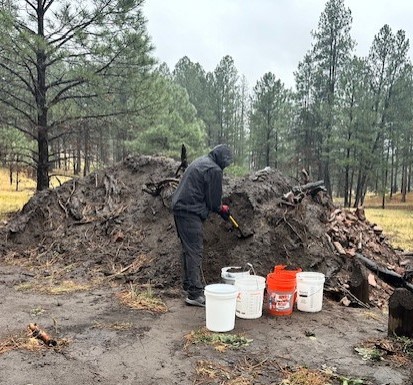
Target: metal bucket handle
{"points": [[251, 268]]}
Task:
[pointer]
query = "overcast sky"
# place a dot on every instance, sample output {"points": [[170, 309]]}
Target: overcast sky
{"points": [[260, 35]]}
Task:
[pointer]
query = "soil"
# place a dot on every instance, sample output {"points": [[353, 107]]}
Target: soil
{"points": [[113, 230]]}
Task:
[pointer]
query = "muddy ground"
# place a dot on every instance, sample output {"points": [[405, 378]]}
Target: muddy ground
{"points": [[113, 231]]}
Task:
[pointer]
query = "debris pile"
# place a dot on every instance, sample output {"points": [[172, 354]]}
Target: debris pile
{"points": [[116, 223], [350, 232]]}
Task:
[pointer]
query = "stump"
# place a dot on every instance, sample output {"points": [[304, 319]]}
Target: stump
{"points": [[401, 313], [359, 283]]}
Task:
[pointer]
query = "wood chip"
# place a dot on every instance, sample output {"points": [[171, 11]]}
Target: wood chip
{"points": [[372, 280], [339, 248]]}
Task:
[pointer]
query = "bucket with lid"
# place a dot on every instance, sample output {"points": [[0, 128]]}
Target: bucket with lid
{"points": [[220, 303], [280, 293], [250, 296], [230, 273], [310, 287]]}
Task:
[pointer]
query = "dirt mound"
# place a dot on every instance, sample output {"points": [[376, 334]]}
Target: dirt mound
{"points": [[117, 222]]}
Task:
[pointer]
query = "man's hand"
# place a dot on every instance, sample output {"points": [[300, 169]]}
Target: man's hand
{"points": [[224, 212]]}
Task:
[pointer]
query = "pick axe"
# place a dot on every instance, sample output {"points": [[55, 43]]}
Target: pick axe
{"points": [[242, 234]]}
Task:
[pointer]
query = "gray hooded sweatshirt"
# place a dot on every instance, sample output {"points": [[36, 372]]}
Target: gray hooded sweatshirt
{"points": [[200, 189]]}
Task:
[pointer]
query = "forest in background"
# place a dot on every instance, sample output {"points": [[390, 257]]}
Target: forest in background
{"points": [[81, 90]]}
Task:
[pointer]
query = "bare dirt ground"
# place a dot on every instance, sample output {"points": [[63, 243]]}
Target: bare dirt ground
{"points": [[113, 230]]}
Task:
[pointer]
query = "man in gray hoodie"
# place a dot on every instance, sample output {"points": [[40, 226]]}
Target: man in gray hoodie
{"points": [[199, 193]]}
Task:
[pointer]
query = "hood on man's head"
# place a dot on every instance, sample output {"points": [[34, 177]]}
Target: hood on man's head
{"points": [[222, 155]]}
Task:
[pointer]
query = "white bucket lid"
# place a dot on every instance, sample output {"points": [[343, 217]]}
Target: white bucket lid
{"points": [[221, 290], [310, 276]]}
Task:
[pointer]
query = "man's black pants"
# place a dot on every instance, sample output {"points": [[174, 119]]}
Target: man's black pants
{"points": [[190, 232]]}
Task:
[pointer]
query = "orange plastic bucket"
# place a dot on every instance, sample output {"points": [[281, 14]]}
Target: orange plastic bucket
{"points": [[283, 269], [281, 289], [288, 273]]}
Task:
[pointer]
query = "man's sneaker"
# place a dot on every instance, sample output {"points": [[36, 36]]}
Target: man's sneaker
{"points": [[199, 301]]}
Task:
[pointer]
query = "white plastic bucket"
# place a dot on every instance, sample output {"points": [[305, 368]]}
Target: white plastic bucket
{"points": [[229, 277], [310, 287], [250, 296], [220, 302]]}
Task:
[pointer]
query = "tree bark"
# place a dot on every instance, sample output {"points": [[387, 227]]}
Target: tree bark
{"points": [[359, 284], [401, 313]]}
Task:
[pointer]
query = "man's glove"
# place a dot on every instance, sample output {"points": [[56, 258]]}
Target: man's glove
{"points": [[224, 212]]}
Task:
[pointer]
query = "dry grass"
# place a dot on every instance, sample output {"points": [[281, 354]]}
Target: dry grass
{"points": [[395, 201], [26, 341], [12, 200], [305, 376], [53, 287], [20, 342], [396, 219], [246, 371], [142, 300], [397, 225], [243, 372], [398, 350], [53, 284]]}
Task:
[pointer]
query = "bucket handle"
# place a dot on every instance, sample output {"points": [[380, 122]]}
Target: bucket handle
{"points": [[251, 268]]}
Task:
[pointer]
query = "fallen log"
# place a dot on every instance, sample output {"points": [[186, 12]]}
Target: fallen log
{"points": [[318, 186], [297, 193], [388, 276]]}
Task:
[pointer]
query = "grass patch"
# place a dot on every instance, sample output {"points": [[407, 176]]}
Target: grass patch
{"points": [[396, 219], [142, 300], [20, 342], [220, 341], [242, 372], [374, 200], [25, 341], [54, 283], [11, 200], [398, 350], [397, 225], [247, 371], [54, 288], [305, 376]]}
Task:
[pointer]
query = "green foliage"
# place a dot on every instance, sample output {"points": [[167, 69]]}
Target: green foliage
{"points": [[233, 341], [372, 354], [269, 121], [406, 344], [70, 62], [14, 146], [80, 81], [176, 123], [236, 170]]}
